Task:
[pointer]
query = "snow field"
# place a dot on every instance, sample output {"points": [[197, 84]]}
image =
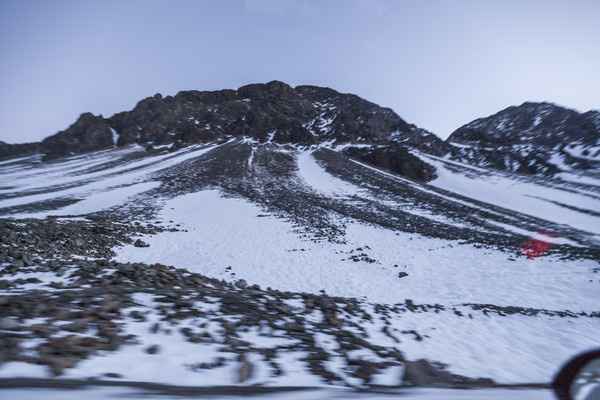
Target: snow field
{"points": [[224, 232], [523, 196]]}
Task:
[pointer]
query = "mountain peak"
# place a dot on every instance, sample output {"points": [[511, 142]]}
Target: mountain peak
{"points": [[530, 138], [272, 111]]}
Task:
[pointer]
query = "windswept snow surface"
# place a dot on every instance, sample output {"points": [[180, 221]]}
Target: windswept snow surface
{"points": [[266, 250], [95, 182], [102, 200], [559, 204], [313, 174]]}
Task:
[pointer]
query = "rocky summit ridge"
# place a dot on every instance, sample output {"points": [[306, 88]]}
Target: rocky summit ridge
{"points": [[533, 138]]}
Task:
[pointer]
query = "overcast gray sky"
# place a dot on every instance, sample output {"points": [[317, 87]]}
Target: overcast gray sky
{"points": [[438, 63]]}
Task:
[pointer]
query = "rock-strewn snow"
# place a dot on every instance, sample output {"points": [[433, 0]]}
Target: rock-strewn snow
{"points": [[484, 312], [224, 232]]}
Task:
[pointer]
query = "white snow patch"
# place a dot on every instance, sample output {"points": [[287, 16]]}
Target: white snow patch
{"points": [[115, 136], [136, 176], [524, 196], [316, 177]]}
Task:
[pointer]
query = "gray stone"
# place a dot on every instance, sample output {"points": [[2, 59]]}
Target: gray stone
{"points": [[245, 371]]}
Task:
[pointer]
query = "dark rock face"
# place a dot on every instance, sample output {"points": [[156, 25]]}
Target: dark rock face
{"points": [[274, 111], [593, 116], [262, 111], [356, 120], [395, 158], [531, 138], [88, 133], [17, 150]]}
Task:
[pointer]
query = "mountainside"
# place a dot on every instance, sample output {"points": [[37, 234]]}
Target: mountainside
{"points": [[276, 237], [272, 112], [531, 138]]}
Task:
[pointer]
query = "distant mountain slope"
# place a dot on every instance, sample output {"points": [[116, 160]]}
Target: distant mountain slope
{"points": [[531, 138]]}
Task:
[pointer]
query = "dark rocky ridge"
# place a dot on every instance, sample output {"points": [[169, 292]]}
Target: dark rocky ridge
{"points": [[88, 133], [274, 111], [526, 138], [533, 138], [17, 150]]}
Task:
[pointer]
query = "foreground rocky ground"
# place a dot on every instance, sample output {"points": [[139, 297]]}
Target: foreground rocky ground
{"points": [[63, 300]]}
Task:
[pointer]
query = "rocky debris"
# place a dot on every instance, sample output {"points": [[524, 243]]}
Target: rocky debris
{"points": [[425, 373], [96, 296], [83, 306], [65, 316], [245, 371], [510, 310], [100, 304], [396, 158], [359, 254], [27, 241], [104, 294], [153, 349], [140, 243]]}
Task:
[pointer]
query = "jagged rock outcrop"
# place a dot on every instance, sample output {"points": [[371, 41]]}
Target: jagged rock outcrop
{"points": [[305, 115], [594, 116], [274, 111], [395, 158], [88, 133], [531, 138], [17, 150]]}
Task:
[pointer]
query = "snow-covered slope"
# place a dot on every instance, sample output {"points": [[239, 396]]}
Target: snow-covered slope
{"points": [[347, 273]]}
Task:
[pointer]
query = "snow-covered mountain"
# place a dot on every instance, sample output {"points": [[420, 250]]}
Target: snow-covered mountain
{"points": [[533, 138], [285, 236]]}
